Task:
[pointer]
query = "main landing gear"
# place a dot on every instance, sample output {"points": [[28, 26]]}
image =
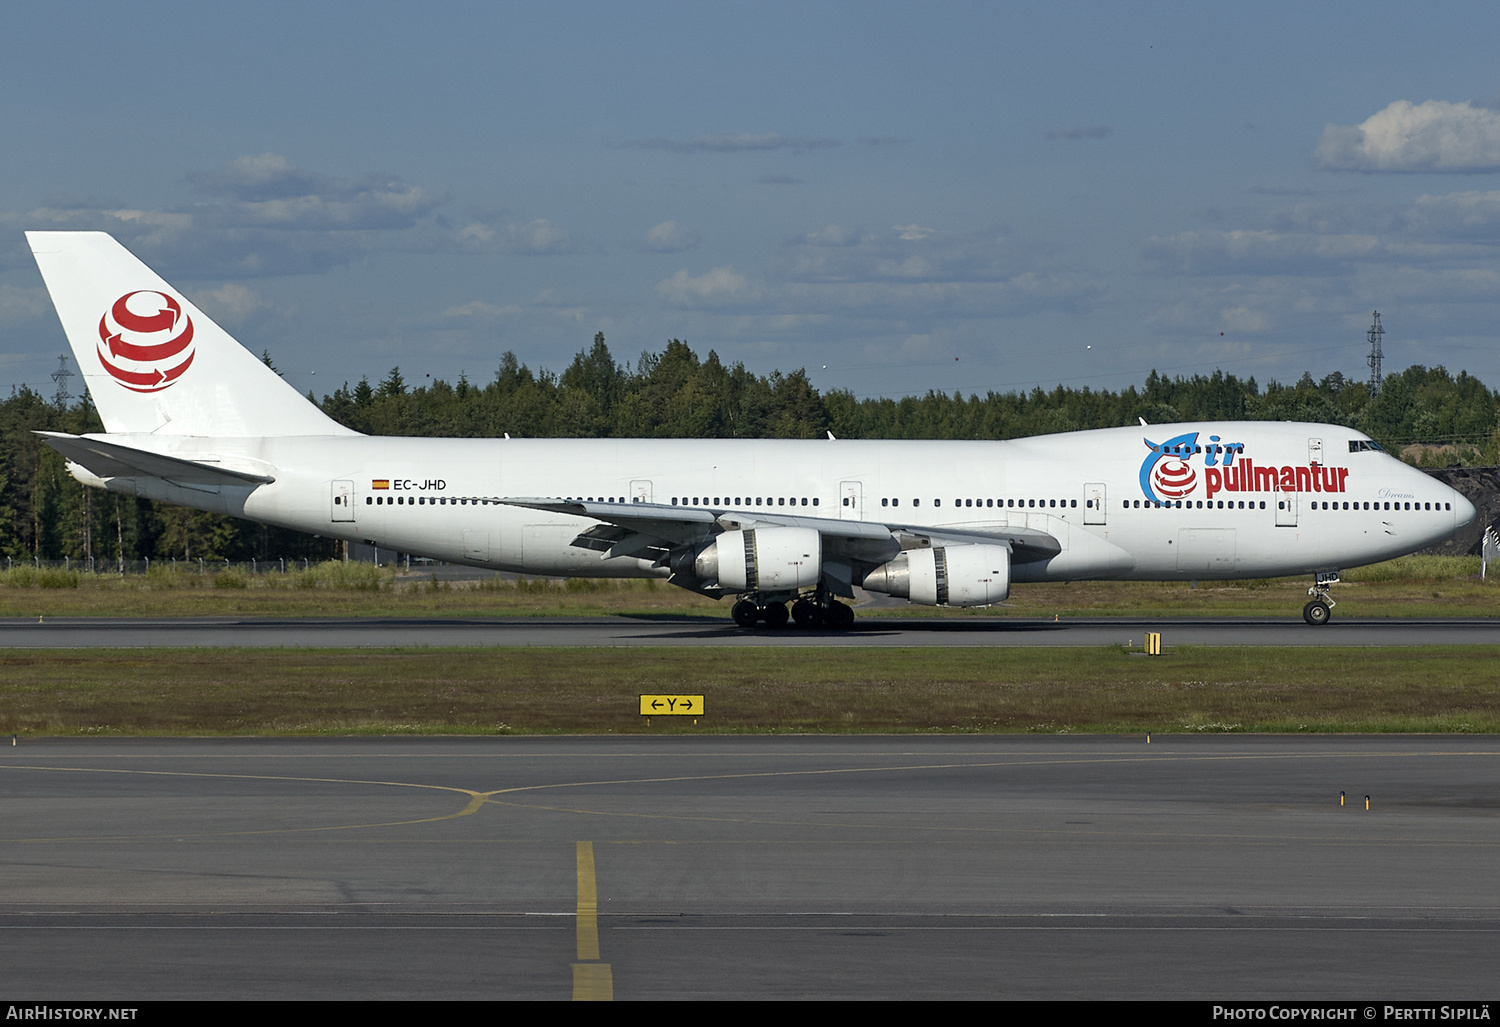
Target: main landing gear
{"points": [[1320, 608], [808, 612]]}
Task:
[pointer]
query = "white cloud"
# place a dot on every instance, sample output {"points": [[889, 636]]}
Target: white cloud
{"points": [[229, 304], [1467, 215], [268, 191], [833, 235], [18, 304], [481, 309], [908, 253], [1242, 251], [1027, 292], [668, 237], [1251, 308], [533, 238], [1242, 319], [1429, 136], [914, 272], [260, 216], [718, 286], [1447, 285], [256, 177]]}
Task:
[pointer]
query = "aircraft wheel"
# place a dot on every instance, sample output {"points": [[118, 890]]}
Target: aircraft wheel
{"points": [[1316, 613], [806, 614], [745, 613], [839, 617], [775, 614]]}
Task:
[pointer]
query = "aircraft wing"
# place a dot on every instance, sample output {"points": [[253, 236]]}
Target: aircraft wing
{"points": [[112, 460], [633, 529]]}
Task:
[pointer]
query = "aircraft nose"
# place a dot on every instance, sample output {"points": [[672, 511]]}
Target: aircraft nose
{"points": [[1463, 511]]}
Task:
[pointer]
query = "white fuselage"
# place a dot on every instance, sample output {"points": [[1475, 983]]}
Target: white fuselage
{"points": [[1211, 500]]}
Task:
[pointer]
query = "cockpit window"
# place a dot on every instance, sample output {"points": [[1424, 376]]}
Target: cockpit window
{"points": [[1363, 446]]}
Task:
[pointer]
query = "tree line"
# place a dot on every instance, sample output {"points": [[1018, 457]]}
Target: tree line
{"points": [[1430, 414]]}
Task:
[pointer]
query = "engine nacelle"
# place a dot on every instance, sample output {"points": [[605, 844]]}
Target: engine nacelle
{"points": [[763, 560], [965, 575]]}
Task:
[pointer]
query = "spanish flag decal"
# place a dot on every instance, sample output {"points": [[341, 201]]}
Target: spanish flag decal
{"points": [[380, 483]]}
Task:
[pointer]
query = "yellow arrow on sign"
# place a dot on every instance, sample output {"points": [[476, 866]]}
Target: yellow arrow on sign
{"points": [[671, 705]]}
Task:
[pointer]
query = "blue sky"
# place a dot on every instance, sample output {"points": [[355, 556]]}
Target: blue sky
{"points": [[898, 197]]}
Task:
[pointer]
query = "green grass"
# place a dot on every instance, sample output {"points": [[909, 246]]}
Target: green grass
{"points": [[766, 691], [330, 589], [1413, 586]]}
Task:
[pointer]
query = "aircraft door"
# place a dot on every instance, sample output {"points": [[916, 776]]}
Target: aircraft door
{"points": [[640, 491], [476, 546], [1315, 452], [1093, 503], [341, 507], [1286, 509], [851, 501]]}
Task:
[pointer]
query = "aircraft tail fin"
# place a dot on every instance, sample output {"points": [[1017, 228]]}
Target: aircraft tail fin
{"points": [[153, 361]]}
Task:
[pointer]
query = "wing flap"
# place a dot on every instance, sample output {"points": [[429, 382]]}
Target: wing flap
{"points": [[631, 528]]}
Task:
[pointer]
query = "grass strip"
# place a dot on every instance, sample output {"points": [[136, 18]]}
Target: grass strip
{"points": [[1412, 586], [805, 690]]}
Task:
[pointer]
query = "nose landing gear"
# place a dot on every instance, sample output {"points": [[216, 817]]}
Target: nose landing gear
{"points": [[1319, 609]]}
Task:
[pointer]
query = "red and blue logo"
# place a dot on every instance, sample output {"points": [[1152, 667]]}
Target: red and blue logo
{"points": [[145, 341], [1166, 472]]}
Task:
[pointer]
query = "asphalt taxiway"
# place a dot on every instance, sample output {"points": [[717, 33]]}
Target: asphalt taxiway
{"points": [[1214, 868], [676, 630]]}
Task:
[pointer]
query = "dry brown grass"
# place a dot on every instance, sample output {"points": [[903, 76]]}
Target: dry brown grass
{"points": [[203, 692]]}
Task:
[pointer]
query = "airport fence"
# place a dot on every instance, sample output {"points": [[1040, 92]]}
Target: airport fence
{"points": [[102, 565]]}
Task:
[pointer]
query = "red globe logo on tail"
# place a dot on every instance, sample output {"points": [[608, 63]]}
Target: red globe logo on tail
{"points": [[145, 341], [1173, 478]]}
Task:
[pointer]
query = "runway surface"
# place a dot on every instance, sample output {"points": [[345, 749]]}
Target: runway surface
{"points": [[353, 633], [1214, 868]]}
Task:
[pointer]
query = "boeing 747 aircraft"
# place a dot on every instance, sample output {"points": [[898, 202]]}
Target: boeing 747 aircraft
{"points": [[194, 418]]}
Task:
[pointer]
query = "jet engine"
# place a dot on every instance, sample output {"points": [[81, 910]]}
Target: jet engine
{"points": [[762, 560], [964, 575]]}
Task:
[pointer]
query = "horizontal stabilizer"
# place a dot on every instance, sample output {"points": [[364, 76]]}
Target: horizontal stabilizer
{"points": [[112, 460]]}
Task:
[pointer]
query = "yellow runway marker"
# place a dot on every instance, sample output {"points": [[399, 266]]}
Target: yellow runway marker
{"points": [[592, 982], [588, 904]]}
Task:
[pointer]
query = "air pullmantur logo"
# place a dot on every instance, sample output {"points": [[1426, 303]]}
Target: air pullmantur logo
{"points": [[145, 341], [1167, 472]]}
